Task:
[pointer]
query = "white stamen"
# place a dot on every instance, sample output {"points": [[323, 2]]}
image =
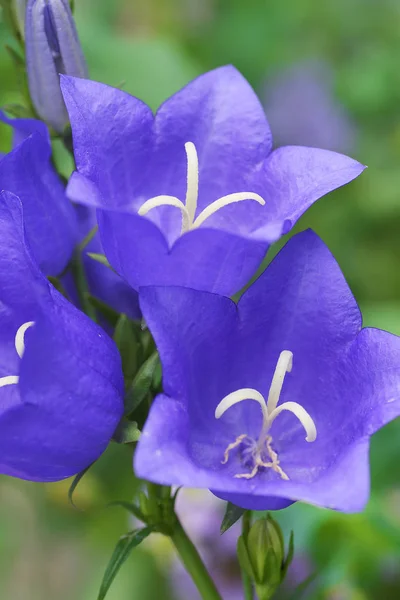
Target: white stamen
{"points": [[9, 380], [283, 366], [192, 188], [302, 416], [20, 348], [270, 411], [188, 210], [20, 338], [239, 396], [225, 201], [167, 201]]}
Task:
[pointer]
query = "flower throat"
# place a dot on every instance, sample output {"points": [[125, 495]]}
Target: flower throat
{"points": [[189, 208], [259, 453]]}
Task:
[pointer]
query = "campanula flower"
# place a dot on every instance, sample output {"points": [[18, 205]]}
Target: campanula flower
{"points": [[273, 400], [61, 382], [53, 224], [49, 216], [194, 195], [52, 47]]}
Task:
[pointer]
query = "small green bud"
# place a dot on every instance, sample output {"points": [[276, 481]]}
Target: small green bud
{"points": [[261, 554]]}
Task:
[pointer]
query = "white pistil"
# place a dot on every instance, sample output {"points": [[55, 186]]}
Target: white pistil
{"points": [[188, 210], [270, 410], [20, 348]]}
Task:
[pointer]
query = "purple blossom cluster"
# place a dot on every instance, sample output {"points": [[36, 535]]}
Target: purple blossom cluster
{"points": [[265, 402]]}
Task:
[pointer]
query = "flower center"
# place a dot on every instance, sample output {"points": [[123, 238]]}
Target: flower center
{"points": [[189, 208], [259, 453], [20, 348]]}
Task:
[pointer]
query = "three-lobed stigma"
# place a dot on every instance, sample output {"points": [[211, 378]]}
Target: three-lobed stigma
{"points": [[189, 208], [259, 453], [19, 343]]}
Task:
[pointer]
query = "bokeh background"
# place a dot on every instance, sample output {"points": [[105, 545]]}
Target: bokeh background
{"points": [[328, 74]]}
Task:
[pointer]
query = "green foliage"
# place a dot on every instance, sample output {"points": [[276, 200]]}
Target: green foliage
{"points": [[122, 550], [232, 515]]}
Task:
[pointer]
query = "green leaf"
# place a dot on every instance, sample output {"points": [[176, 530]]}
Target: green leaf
{"points": [[127, 432], [99, 258], [122, 550], [141, 384], [132, 508], [74, 485], [126, 339], [232, 515]]}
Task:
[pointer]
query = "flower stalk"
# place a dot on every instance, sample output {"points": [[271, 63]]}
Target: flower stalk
{"points": [[193, 563]]}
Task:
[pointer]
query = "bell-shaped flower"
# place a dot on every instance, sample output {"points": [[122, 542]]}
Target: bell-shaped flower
{"points": [[52, 47], [194, 195], [61, 384], [53, 224], [49, 216], [272, 400]]}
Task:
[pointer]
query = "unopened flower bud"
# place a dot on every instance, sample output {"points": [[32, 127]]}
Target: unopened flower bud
{"points": [[52, 48], [261, 554]]}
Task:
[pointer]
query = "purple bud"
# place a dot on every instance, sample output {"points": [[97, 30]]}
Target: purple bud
{"points": [[52, 48]]}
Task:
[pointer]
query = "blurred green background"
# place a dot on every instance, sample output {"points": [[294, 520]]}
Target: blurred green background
{"points": [[326, 71]]}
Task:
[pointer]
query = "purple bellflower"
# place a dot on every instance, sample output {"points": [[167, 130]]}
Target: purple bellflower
{"points": [[273, 400], [49, 216], [53, 224], [194, 195], [52, 47], [61, 384]]}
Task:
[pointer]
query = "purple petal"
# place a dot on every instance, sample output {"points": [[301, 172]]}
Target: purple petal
{"points": [[20, 283], [203, 259], [48, 214], [104, 283], [23, 128], [290, 180], [112, 137]]}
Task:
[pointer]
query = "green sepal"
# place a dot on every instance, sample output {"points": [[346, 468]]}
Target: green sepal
{"points": [[18, 111], [289, 556], [122, 550], [142, 384], [232, 515], [74, 485], [128, 344], [100, 258], [10, 18], [127, 432], [244, 559]]}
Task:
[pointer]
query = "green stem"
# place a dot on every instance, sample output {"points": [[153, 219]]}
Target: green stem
{"points": [[247, 585], [193, 564]]}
